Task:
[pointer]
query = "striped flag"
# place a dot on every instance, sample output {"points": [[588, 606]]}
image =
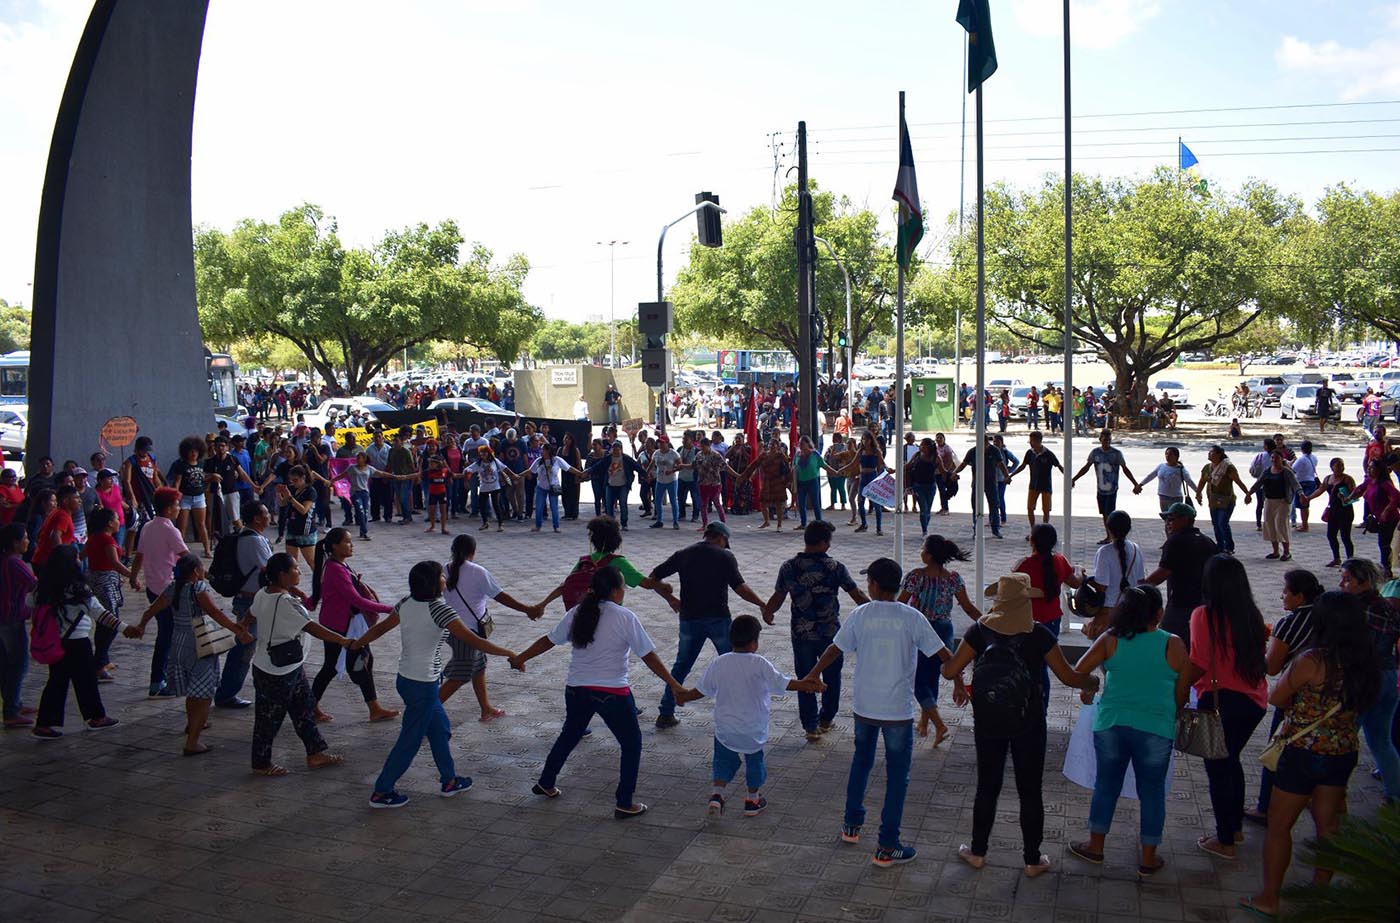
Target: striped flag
{"points": [[906, 193]]}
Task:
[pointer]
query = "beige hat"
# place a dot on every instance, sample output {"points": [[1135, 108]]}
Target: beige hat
{"points": [[1010, 612]]}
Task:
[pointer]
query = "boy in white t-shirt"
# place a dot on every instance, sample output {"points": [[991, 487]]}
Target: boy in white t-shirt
{"points": [[742, 683]]}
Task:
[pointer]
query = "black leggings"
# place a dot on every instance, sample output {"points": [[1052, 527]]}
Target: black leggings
{"points": [[363, 677], [1383, 539], [1028, 765], [497, 500], [1240, 715], [1339, 520]]}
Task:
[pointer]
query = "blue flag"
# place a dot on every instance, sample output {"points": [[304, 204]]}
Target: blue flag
{"points": [[1185, 159]]}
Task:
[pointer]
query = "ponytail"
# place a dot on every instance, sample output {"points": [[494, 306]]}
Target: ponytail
{"points": [[606, 580], [1119, 525], [463, 547], [1043, 540]]}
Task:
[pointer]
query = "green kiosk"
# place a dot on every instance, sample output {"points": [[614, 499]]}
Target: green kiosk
{"points": [[934, 403]]}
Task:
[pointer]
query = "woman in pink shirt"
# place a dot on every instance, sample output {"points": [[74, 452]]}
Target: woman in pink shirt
{"points": [[159, 547], [340, 593]]}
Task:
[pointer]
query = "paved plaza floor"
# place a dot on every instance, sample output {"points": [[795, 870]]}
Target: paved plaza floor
{"points": [[117, 825]]}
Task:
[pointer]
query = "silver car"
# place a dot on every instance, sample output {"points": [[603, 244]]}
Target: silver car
{"points": [[1301, 401], [14, 428]]}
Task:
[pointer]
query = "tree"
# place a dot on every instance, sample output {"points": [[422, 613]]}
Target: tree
{"points": [[745, 293], [1159, 268], [1349, 263], [1263, 336], [295, 280], [14, 327]]}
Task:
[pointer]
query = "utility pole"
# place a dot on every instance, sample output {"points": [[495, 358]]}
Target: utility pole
{"points": [[612, 246], [806, 298]]}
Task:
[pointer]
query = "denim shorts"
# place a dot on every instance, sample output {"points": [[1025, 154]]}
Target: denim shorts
{"points": [[192, 503], [1300, 771], [726, 766]]}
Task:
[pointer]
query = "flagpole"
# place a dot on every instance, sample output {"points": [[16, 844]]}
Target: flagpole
{"points": [[962, 198], [1067, 396], [899, 390], [980, 479]]}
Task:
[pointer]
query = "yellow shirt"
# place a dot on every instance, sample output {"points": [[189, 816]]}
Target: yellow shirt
{"points": [[1053, 402]]}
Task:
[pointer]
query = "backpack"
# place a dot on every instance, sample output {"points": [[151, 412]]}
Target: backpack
{"points": [[1003, 691], [225, 577], [45, 643], [581, 580]]}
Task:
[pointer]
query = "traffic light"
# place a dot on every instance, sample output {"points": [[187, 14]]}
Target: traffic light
{"points": [[708, 221], [842, 340]]}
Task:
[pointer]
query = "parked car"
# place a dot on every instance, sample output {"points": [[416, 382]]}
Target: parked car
{"points": [[1348, 386], [333, 407], [1270, 386], [1301, 401], [14, 426], [471, 403], [1174, 390], [1390, 404]]}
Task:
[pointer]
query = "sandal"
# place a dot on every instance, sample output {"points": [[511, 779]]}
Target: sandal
{"points": [[323, 760], [636, 810], [1082, 851], [386, 715], [1147, 871], [966, 854], [197, 751], [1040, 868], [271, 771], [492, 715], [1247, 904], [539, 789], [1256, 816], [1217, 852]]}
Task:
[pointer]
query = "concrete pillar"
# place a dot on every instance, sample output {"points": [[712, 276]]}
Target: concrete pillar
{"points": [[115, 328]]}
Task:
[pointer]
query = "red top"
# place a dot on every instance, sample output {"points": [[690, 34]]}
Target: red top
{"points": [[58, 521], [1224, 666], [98, 552], [437, 482], [15, 496], [1045, 610], [339, 599]]}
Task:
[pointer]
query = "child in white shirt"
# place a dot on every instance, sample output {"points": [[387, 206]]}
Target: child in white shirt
{"points": [[742, 683]]}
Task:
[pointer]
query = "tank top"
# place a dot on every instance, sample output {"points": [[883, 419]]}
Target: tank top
{"points": [[1335, 736], [1140, 689]]}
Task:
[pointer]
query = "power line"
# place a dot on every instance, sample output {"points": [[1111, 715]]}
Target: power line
{"points": [[1358, 150]]}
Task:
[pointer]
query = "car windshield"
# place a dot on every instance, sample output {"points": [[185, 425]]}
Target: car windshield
{"points": [[1173, 385], [1305, 391], [374, 406]]}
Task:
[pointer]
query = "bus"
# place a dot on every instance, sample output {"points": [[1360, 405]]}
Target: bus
{"points": [[14, 377]]}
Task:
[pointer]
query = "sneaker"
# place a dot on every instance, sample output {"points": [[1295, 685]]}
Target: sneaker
{"points": [[387, 800], [234, 702], [106, 721], [47, 733], [754, 808], [666, 721], [539, 789], [366, 538], [825, 726], [675, 525], [657, 524], [884, 858], [154, 690], [850, 833], [716, 806], [455, 786], [813, 734]]}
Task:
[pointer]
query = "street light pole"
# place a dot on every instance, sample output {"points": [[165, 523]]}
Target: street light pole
{"points": [[850, 357], [612, 246]]}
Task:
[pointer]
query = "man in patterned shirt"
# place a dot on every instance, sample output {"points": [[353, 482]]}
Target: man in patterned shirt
{"points": [[814, 579]]}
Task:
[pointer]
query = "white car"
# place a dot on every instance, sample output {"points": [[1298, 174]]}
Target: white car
{"points": [[14, 427], [1301, 401], [1174, 390], [333, 407], [471, 403]]}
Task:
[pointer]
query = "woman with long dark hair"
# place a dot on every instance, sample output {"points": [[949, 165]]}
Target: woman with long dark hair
{"points": [[1291, 635], [1117, 567], [1323, 692], [1228, 669], [423, 620], [932, 589], [1048, 570], [470, 589], [340, 593], [868, 464], [601, 634], [569, 452], [1136, 720], [1339, 487], [1382, 508], [188, 674]]}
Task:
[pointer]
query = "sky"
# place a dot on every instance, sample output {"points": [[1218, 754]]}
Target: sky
{"points": [[550, 128]]}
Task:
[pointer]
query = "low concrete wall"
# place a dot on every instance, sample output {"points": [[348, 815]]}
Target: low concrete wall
{"points": [[552, 391]]}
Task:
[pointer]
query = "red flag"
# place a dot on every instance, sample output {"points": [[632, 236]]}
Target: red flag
{"points": [[751, 421], [794, 434]]}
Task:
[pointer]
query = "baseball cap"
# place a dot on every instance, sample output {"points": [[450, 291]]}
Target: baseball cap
{"points": [[886, 573], [1180, 509], [718, 528]]}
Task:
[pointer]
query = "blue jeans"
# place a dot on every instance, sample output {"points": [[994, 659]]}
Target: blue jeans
{"points": [[405, 498], [613, 413], [923, 499], [240, 657], [899, 753], [689, 491], [1150, 755], [667, 491], [694, 634], [14, 664], [165, 633], [1044, 668], [423, 716], [879, 510], [809, 492], [359, 499], [543, 495], [726, 766], [619, 713], [1001, 501], [617, 496], [926, 674], [1375, 725], [1220, 522], [805, 654]]}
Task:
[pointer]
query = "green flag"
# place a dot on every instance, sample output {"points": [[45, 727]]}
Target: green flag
{"points": [[976, 17]]}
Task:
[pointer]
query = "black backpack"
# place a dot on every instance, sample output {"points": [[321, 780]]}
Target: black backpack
{"points": [[224, 575], [1003, 690]]}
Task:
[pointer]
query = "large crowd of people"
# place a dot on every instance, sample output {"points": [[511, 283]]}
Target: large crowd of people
{"points": [[75, 542]]}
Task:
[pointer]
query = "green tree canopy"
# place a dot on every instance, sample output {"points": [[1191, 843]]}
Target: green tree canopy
{"points": [[14, 327], [353, 310], [1348, 264], [745, 293]]}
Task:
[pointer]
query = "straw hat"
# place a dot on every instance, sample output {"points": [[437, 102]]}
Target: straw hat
{"points": [[1010, 612]]}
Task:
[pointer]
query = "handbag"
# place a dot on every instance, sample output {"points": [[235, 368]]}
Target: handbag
{"points": [[485, 626], [1199, 731], [1270, 757], [211, 638], [284, 653]]}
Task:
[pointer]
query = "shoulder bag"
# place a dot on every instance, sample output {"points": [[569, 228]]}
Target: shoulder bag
{"points": [[284, 653], [210, 638], [485, 626], [1274, 751], [1199, 731]]}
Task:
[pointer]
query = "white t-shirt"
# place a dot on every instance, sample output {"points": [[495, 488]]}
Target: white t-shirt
{"points": [[1108, 571], [580, 410], [1305, 467], [742, 685], [886, 635], [604, 661], [281, 617], [665, 461], [549, 471], [422, 629], [490, 474], [474, 591]]}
